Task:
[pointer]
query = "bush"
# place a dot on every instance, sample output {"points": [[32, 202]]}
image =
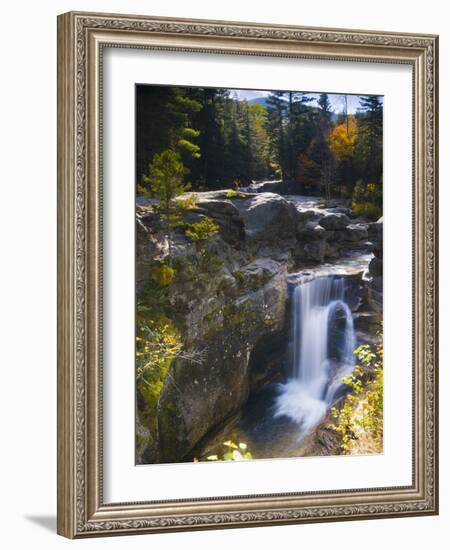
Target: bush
{"points": [[232, 194], [186, 201], [367, 200], [157, 345], [202, 230], [162, 274], [360, 418], [367, 209], [276, 170]]}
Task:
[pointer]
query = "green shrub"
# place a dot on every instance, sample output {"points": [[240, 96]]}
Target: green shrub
{"points": [[162, 274], [276, 170], [158, 343], [367, 200], [232, 194], [202, 230], [186, 201], [367, 210], [360, 418]]}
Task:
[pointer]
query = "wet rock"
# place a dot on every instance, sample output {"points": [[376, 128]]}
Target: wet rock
{"points": [[343, 210], [312, 232], [323, 441], [366, 322], [375, 231], [304, 218], [355, 233], [376, 267], [335, 221], [333, 236], [375, 300], [316, 250]]}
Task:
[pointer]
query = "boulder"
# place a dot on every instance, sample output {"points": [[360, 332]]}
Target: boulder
{"points": [[304, 217], [256, 273], [311, 232], [343, 210], [335, 221], [316, 251], [355, 233], [333, 236], [223, 212], [268, 217]]}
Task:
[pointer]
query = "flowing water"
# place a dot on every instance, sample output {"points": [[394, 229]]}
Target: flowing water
{"points": [[321, 339], [321, 350]]}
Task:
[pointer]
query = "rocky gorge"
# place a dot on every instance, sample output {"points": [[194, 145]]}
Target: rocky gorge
{"points": [[230, 298]]}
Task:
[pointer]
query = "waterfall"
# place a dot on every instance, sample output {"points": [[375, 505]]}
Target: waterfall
{"points": [[318, 307]]}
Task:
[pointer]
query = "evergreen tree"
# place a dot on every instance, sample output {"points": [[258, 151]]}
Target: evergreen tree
{"points": [[165, 178], [209, 170], [369, 148], [277, 105], [259, 141], [163, 115], [303, 128], [324, 105]]}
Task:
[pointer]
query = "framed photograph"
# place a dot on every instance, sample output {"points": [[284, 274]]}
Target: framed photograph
{"points": [[247, 277]]}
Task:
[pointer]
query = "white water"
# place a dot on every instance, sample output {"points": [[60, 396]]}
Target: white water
{"points": [[316, 304]]}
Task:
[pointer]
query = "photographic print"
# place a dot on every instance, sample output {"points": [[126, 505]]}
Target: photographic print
{"points": [[258, 274]]}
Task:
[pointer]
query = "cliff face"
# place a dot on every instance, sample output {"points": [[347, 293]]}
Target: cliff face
{"points": [[228, 299]]}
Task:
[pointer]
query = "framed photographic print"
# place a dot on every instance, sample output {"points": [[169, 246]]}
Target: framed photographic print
{"points": [[247, 280]]}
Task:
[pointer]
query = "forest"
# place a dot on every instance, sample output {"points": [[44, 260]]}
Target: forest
{"points": [[259, 274], [226, 142]]}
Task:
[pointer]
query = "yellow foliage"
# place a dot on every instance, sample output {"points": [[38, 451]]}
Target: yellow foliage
{"points": [[158, 343], [360, 418], [162, 274], [366, 209], [342, 139], [235, 451], [232, 194], [186, 201]]}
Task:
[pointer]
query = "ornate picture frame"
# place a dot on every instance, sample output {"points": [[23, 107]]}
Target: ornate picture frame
{"points": [[82, 38]]}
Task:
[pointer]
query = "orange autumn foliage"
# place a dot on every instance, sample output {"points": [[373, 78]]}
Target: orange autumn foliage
{"points": [[342, 139]]}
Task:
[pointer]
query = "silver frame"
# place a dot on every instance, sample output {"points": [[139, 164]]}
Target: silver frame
{"points": [[81, 40]]}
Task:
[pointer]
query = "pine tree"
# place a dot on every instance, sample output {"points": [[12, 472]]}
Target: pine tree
{"points": [[277, 106], [324, 106], [369, 147], [259, 141], [163, 121], [165, 179]]}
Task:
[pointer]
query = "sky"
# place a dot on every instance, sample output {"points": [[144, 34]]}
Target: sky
{"points": [[336, 100]]}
